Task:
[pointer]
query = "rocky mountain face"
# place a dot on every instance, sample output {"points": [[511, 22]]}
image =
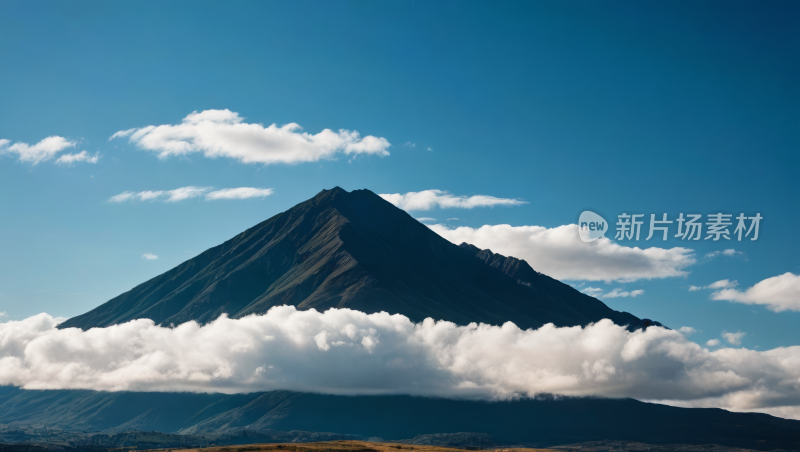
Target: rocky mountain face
{"points": [[547, 287], [352, 250]]}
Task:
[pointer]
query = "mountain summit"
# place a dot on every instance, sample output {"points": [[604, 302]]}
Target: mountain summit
{"points": [[352, 250]]}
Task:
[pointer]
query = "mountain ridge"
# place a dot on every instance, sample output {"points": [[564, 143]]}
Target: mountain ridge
{"points": [[352, 250]]}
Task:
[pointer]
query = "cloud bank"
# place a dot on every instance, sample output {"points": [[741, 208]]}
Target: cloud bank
{"points": [[559, 253], [223, 133], [349, 352], [779, 293], [45, 150], [183, 193], [429, 199]]}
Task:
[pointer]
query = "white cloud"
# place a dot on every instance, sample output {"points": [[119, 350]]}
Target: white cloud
{"points": [[149, 256], [349, 352], [687, 330], [222, 133], [83, 156], [616, 293], [593, 291], [3, 314], [713, 342], [734, 338], [40, 152], [722, 284], [454, 219], [429, 199], [729, 253], [423, 219], [240, 193], [778, 293], [179, 194], [559, 253], [183, 193]]}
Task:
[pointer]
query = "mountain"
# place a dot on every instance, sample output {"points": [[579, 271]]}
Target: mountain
{"points": [[352, 250], [243, 417], [547, 287]]}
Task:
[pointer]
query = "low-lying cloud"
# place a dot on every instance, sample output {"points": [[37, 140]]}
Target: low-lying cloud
{"points": [[778, 293], [558, 253], [349, 352], [429, 199], [223, 133], [183, 193]]}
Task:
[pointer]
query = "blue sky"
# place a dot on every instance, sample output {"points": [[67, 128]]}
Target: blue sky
{"points": [[614, 107]]}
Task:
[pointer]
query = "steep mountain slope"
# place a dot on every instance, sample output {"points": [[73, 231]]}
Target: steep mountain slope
{"points": [[546, 287], [541, 422], [347, 250]]}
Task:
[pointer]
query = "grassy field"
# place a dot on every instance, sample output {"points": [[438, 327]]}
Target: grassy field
{"points": [[341, 446]]}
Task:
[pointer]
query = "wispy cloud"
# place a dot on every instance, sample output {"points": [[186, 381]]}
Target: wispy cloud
{"points": [[429, 199], [425, 219], [240, 193], [616, 293], [223, 133], [183, 193], [729, 253], [179, 194], [713, 342], [342, 351], [43, 151], [559, 253], [150, 256], [734, 338], [778, 293], [83, 156], [721, 284]]}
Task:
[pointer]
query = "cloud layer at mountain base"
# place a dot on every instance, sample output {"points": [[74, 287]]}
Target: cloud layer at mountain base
{"points": [[349, 352], [557, 252], [223, 133]]}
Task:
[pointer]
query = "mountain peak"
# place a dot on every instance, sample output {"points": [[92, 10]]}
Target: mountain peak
{"points": [[353, 250]]}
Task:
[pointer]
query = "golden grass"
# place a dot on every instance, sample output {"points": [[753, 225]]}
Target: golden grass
{"points": [[342, 446]]}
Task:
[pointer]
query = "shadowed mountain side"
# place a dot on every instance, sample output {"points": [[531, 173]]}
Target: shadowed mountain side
{"points": [[546, 287], [345, 250], [539, 422]]}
